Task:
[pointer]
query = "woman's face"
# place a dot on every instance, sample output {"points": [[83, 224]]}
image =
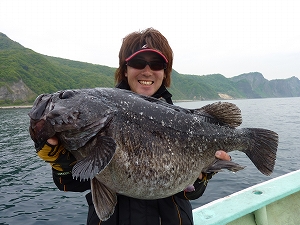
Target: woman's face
{"points": [[145, 81]]}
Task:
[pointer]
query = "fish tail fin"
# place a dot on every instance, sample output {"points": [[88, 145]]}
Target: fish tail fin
{"points": [[263, 150]]}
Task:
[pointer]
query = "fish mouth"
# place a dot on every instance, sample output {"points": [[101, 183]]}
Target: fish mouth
{"points": [[145, 82]]}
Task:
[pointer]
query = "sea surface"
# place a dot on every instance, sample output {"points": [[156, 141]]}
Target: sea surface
{"points": [[28, 195]]}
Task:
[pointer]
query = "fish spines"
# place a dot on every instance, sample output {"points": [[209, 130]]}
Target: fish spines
{"points": [[222, 113], [263, 148]]}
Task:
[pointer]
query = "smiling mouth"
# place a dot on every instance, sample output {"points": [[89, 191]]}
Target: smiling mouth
{"points": [[144, 82]]}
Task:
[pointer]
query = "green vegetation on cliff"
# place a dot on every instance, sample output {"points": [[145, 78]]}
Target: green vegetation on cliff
{"points": [[34, 73]]}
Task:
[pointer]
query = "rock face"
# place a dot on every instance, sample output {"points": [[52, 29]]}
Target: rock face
{"points": [[225, 96], [16, 92], [254, 85]]}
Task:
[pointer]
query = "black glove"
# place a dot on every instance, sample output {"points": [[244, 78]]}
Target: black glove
{"points": [[197, 189]]}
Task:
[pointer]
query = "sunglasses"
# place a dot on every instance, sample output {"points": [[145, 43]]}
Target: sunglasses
{"points": [[141, 64]]}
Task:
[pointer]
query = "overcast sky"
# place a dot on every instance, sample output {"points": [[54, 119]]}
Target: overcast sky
{"points": [[229, 37]]}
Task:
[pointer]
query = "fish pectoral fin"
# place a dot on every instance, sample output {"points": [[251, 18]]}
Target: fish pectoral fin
{"points": [[102, 150], [104, 199], [217, 165], [221, 113]]}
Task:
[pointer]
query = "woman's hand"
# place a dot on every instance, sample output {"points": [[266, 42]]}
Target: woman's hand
{"points": [[53, 141], [220, 155]]}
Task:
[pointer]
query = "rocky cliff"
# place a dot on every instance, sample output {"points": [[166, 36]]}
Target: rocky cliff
{"points": [[254, 85], [16, 92]]}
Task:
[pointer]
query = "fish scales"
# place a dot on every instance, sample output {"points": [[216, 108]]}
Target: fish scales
{"points": [[143, 147]]}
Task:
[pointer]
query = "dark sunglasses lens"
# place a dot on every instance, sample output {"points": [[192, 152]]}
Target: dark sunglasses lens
{"points": [[141, 64], [137, 64], [157, 65]]}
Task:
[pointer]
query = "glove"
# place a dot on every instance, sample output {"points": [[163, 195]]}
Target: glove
{"points": [[62, 162], [196, 190], [59, 158]]}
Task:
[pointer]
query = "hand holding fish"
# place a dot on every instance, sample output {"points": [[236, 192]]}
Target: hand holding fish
{"points": [[220, 155], [53, 141], [59, 158]]}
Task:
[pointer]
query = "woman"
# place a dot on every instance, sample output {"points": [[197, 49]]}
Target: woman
{"points": [[145, 66]]}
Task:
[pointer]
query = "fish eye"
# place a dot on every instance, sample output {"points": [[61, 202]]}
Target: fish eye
{"points": [[66, 94]]}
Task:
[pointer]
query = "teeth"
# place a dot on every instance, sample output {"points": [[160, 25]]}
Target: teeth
{"points": [[146, 82]]}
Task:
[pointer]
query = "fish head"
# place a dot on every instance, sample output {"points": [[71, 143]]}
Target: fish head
{"points": [[76, 112], [40, 130]]}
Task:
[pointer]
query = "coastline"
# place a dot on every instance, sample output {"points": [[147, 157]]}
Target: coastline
{"points": [[16, 107]]}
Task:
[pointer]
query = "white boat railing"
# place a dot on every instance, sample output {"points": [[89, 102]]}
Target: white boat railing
{"points": [[255, 203]]}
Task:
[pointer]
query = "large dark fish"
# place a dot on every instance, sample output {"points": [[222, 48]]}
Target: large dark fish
{"points": [[143, 147]]}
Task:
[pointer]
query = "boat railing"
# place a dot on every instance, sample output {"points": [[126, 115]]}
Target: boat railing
{"points": [[276, 201]]}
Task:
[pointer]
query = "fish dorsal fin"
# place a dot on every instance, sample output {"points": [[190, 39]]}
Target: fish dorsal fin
{"points": [[102, 150], [104, 199], [223, 113]]}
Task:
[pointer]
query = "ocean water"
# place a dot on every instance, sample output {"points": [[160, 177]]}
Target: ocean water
{"points": [[281, 115], [28, 195]]}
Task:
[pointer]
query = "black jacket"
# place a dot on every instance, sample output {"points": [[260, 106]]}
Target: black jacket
{"points": [[173, 210]]}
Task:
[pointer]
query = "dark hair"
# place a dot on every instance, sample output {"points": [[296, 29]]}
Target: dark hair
{"points": [[135, 41]]}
